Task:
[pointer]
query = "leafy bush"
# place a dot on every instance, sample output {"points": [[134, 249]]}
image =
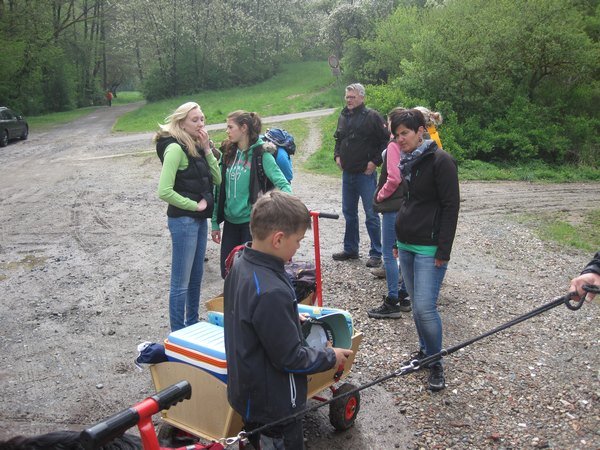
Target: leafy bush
{"points": [[59, 85], [517, 78]]}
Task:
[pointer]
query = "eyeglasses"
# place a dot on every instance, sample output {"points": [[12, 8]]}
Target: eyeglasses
{"points": [[350, 97]]}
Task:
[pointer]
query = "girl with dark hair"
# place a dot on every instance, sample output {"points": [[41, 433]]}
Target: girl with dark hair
{"points": [[425, 229], [186, 183], [247, 171]]}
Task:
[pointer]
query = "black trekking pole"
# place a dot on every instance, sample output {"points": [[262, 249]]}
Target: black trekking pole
{"points": [[414, 365], [567, 300]]}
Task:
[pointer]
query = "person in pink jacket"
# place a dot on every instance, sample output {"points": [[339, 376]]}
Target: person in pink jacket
{"points": [[388, 197]]}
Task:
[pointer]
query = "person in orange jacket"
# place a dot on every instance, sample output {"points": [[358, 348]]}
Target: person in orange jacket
{"points": [[109, 97], [432, 120]]}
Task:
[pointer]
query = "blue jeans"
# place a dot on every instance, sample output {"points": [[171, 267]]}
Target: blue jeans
{"points": [[393, 273], [357, 186], [423, 281], [189, 237]]}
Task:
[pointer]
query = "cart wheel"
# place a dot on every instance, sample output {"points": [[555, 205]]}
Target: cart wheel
{"points": [[170, 436], [343, 411]]}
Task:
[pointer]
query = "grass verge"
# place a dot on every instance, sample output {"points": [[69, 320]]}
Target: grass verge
{"points": [[582, 232], [322, 161], [125, 97], [58, 118], [535, 171], [298, 87]]}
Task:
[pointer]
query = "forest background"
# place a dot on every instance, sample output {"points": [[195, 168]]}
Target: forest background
{"points": [[516, 80]]}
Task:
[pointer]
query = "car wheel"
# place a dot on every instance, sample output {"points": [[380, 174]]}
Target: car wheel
{"points": [[3, 138], [25, 134]]}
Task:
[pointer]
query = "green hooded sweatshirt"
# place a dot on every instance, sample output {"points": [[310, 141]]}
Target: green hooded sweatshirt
{"points": [[237, 185]]}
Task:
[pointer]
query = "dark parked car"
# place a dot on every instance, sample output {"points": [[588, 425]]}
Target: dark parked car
{"points": [[12, 126]]}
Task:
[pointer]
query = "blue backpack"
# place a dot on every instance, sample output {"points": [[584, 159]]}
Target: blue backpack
{"points": [[281, 138], [284, 141]]}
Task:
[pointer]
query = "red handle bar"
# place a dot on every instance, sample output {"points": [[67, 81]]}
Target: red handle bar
{"points": [[139, 414]]}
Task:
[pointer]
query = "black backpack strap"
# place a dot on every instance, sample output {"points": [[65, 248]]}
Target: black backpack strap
{"points": [[264, 182], [260, 169]]}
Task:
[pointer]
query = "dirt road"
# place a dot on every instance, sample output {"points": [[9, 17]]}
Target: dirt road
{"points": [[84, 274]]}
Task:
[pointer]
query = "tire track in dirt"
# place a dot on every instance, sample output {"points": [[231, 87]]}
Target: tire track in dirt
{"points": [[489, 199]]}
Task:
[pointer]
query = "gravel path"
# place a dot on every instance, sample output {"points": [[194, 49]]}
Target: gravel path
{"points": [[84, 270]]}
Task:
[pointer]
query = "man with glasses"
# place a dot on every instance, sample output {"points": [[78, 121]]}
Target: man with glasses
{"points": [[360, 137]]}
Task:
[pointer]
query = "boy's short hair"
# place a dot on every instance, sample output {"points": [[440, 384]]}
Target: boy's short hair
{"points": [[278, 211]]}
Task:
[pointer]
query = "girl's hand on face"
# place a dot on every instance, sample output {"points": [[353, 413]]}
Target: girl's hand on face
{"points": [[203, 140]]}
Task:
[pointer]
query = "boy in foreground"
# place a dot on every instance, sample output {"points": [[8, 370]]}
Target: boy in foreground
{"points": [[267, 364]]}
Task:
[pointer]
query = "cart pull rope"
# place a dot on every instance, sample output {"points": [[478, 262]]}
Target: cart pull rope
{"points": [[415, 364]]}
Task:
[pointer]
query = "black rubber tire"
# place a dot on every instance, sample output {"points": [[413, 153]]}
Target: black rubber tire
{"points": [[3, 138], [343, 411], [25, 134]]}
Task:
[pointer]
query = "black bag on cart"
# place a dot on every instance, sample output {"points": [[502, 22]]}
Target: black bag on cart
{"points": [[303, 278]]}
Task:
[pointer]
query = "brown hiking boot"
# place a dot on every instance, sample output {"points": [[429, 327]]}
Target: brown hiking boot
{"points": [[378, 272]]}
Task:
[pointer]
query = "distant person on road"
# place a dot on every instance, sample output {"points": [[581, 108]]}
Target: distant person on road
{"points": [[267, 358], [425, 229], [109, 97], [189, 172], [360, 138], [242, 181], [589, 275]]}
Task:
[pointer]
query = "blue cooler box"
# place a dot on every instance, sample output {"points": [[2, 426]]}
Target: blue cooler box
{"points": [[201, 345]]}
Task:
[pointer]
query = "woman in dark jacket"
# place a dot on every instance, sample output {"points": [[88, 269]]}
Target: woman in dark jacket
{"points": [[186, 183], [425, 228]]}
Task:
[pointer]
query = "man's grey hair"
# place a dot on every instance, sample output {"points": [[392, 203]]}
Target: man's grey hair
{"points": [[356, 87]]}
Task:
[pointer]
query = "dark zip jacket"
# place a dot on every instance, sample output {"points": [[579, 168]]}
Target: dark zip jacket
{"points": [[194, 182], [594, 265], [267, 364], [360, 137], [429, 213]]}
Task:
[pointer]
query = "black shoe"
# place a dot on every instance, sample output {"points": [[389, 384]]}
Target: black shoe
{"points": [[373, 261], [405, 305], [436, 379], [343, 256], [416, 356], [388, 310]]}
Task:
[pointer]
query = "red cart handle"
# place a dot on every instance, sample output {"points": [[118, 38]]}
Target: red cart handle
{"points": [[315, 218], [323, 215], [139, 414]]}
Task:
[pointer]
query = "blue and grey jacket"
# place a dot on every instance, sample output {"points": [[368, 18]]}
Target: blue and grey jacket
{"points": [[267, 365]]}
